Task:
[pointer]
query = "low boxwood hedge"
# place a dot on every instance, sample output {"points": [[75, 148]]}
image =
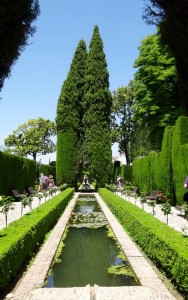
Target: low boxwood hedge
{"points": [[19, 240], [166, 247]]}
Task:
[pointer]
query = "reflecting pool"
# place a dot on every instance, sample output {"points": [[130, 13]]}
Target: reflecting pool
{"points": [[89, 253]]}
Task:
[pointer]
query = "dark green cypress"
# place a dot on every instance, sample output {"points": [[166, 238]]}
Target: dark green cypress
{"points": [[97, 104], [69, 120]]}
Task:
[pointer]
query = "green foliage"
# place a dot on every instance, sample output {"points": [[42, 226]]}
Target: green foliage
{"points": [[171, 18], [122, 123], [48, 169], [20, 239], [69, 120], [97, 102], [15, 172], [156, 90], [166, 209], [6, 204], [166, 247], [179, 154], [40, 130], [16, 18], [155, 170], [67, 157], [126, 172]]}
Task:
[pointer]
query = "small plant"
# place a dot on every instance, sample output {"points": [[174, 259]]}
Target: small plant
{"points": [[143, 199], [185, 210], [127, 193], [29, 201], [166, 209], [184, 229], [45, 195], [6, 204], [152, 203], [40, 196], [135, 196], [24, 203]]}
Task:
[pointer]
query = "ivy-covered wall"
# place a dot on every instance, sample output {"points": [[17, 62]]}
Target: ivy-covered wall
{"points": [[167, 169]]}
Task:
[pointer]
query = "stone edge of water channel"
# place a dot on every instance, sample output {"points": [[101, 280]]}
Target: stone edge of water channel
{"points": [[30, 285]]}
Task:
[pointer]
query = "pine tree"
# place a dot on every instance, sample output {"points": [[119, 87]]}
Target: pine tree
{"points": [[97, 104], [69, 120]]}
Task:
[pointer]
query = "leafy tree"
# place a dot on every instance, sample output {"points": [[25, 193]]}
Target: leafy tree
{"points": [[97, 103], [16, 19], [171, 17], [157, 100], [69, 120], [122, 125], [32, 138]]}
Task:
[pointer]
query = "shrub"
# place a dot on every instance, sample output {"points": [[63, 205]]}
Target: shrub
{"points": [[19, 240], [166, 247]]}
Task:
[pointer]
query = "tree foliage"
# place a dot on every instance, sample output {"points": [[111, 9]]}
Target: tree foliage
{"points": [[16, 19], [171, 17], [157, 100], [32, 138], [97, 104], [69, 119], [122, 123]]}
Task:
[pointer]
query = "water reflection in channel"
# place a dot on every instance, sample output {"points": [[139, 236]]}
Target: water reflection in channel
{"points": [[88, 252]]}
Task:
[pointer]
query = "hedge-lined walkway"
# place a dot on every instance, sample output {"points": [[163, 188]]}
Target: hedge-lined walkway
{"points": [[151, 286], [175, 219]]}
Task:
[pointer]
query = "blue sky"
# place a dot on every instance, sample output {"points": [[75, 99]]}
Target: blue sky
{"points": [[33, 89]]}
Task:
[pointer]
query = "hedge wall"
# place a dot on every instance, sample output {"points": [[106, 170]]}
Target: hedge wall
{"points": [[125, 171], [166, 247], [179, 156], [15, 172], [19, 240], [157, 170]]}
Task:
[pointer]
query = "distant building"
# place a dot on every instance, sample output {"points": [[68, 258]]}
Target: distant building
{"points": [[120, 158]]}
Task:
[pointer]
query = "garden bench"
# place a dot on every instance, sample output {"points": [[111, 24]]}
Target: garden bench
{"points": [[135, 190], [31, 190], [155, 195], [17, 195]]}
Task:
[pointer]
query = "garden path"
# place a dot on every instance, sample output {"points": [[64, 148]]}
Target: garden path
{"points": [[176, 220], [15, 214]]}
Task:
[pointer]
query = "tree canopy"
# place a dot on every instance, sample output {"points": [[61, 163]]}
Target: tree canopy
{"points": [[156, 90], [32, 138], [171, 17], [69, 119], [16, 18], [122, 123], [97, 103]]}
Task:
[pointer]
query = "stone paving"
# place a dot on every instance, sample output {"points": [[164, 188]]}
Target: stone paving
{"points": [[152, 288]]}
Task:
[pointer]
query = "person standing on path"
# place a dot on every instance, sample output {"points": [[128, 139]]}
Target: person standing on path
{"points": [[185, 196]]}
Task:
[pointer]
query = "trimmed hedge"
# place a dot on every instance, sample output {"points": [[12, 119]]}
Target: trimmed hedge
{"points": [[15, 172], [125, 171], [179, 156], [166, 247], [168, 169], [19, 240]]}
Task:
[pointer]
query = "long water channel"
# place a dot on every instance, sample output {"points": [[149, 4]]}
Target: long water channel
{"points": [[88, 252]]}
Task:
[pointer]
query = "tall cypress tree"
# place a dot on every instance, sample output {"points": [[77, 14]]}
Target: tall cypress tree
{"points": [[69, 120], [97, 104]]}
